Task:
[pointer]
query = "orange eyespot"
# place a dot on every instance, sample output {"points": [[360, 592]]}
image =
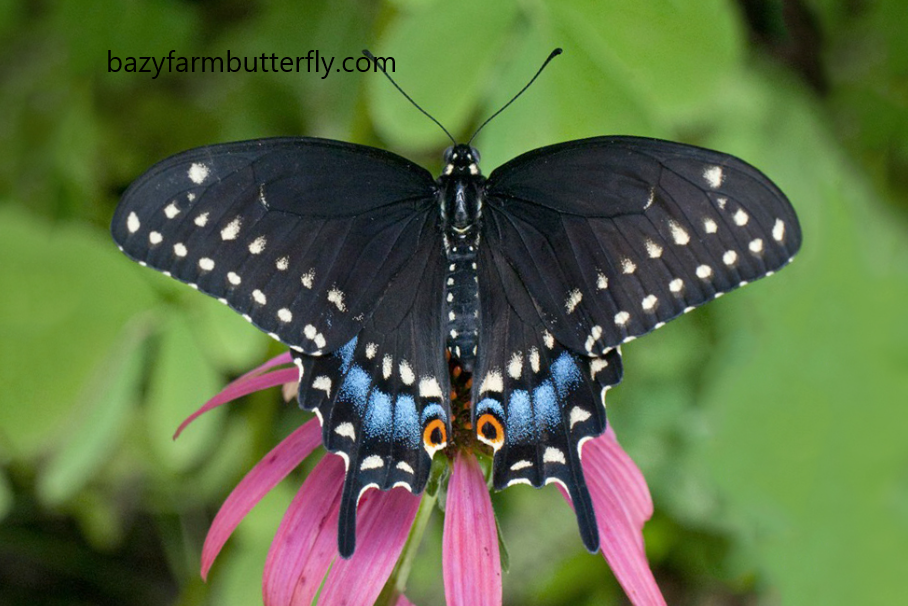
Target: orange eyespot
{"points": [[490, 431], [435, 435]]}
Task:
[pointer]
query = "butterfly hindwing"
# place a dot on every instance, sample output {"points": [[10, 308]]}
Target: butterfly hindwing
{"points": [[615, 236], [298, 235], [535, 402], [383, 397]]}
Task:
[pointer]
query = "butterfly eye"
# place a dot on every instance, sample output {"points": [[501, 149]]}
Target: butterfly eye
{"points": [[449, 154], [490, 431], [434, 436], [475, 153]]}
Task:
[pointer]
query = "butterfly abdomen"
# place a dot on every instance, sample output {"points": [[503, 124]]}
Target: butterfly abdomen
{"points": [[462, 302], [460, 192]]}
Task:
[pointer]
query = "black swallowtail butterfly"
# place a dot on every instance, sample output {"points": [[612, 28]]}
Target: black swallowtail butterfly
{"points": [[369, 269]]}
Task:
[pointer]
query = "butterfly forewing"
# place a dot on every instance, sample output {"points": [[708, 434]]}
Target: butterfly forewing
{"points": [[301, 236], [614, 236]]}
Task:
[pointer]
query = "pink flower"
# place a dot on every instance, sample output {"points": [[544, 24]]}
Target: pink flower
{"points": [[304, 550]]}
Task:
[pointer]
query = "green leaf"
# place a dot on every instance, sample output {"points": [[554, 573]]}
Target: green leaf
{"points": [[99, 422], [445, 83], [182, 380], [641, 46], [230, 342], [72, 295], [804, 402]]}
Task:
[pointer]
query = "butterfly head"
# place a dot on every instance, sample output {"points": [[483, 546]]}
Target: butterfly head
{"points": [[461, 159]]}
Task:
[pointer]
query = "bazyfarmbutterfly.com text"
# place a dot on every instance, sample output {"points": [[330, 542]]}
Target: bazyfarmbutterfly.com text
{"points": [[312, 62]]}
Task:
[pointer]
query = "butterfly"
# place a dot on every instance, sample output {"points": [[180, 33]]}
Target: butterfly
{"points": [[370, 270]]}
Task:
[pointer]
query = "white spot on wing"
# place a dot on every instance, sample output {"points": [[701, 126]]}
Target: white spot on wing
{"points": [[622, 317], [284, 314], [553, 455], [579, 415], [371, 350], [679, 234], [649, 302], [282, 264], [522, 464], [652, 249], [171, 210], [651, 198], [778, 230], [201, 220], [197, 173], [234, 278], [155, 237], [676, 285], [573, 299], [372, 462], [345, 429], [232, 230], [206, 264], [429, 388], [336, 296], [323, 383], [310, 331], [405, 467], [729, 257], [307, 278], [132, 223], [741, 218], [627, 266], [387, 366], [406, 372], [259, 297], [601, 281], [704, 271], [548, 339], [595, 333], [713, 176], [596, 365], [534, 359], [756, 245], [179, 249], [258, 245], [710, 226], [492, 382], [515, 366]]}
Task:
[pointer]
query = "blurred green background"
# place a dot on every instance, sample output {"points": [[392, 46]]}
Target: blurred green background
{"points": [[770, 425]]}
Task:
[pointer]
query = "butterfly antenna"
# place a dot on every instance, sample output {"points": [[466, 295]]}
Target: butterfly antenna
{"points": [[551, 56], [416, 105]]}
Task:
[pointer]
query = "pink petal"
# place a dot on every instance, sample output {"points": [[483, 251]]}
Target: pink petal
{"points": [[470, 558], [403, 601], [622, 503], [306, 541], [246, 384], [273, 468], [384, 522]]}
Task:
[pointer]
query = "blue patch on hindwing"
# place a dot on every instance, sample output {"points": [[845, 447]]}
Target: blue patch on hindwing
{"points": [[521, 425], [379, 417], [565, 374], [406, 421], [489, 405], [345, 353], [355, 388], [433, 411]]}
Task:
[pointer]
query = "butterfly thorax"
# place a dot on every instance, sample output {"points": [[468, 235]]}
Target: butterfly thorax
{"points": [[460, 192]]}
